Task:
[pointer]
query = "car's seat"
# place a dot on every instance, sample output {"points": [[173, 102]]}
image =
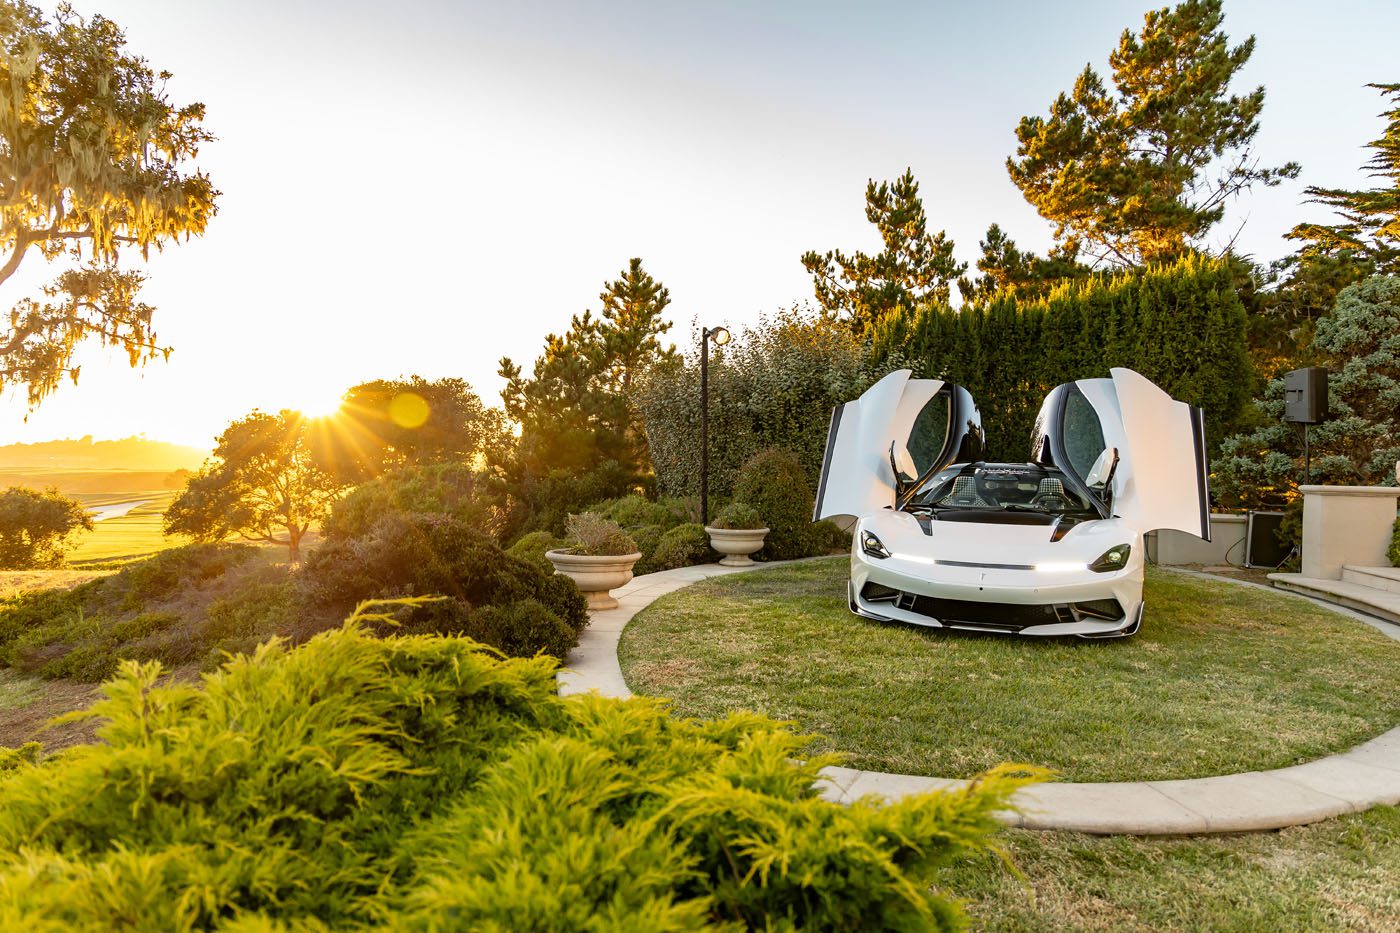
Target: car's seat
{"points": [[965, 494], [1051, 495]]}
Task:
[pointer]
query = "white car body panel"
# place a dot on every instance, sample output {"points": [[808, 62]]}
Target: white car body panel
{"points": [[1164, 485], [989, 569], [857, 478]]}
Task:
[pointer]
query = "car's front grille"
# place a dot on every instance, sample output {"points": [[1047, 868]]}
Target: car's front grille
{"points": [[997, 617], [993, 617]]}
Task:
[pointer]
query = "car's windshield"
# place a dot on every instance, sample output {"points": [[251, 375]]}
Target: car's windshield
{"points": [[1000, 486]]}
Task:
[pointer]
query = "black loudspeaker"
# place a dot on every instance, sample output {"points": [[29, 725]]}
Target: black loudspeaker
{"points": [[1305, 395], [1261, 544]]}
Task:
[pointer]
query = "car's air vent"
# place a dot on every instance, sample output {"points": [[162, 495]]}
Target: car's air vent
{"points": [[1100, 609], [877, 593], [993, 617]]}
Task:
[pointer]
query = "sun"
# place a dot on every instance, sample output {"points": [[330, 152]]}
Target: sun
{"points": [[318, 401]]}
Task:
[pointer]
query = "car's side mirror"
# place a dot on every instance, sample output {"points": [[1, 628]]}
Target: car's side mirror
{"points": [[906, 474], [1101, 473]]}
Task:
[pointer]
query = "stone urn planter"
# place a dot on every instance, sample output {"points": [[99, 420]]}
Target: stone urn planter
{"points": [[736, 544], [595, 576]]}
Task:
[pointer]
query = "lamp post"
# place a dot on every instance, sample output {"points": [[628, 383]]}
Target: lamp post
{"points": [[720, 336]]}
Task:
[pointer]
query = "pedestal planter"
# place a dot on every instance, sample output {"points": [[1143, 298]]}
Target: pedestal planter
{"points": [[595, 575], [736, 544]]}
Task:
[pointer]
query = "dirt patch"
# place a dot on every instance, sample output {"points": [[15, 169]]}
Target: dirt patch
{"points": [[32, 704], [27, 721]]}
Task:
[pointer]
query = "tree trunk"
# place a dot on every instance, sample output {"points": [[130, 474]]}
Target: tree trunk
{"points": [[294, 547]]}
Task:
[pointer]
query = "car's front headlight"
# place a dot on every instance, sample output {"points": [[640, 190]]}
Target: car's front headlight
{"points": [[873, 546], [1115, 558]]}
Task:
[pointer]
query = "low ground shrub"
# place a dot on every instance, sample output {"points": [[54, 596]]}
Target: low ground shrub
{"points": [[773, 482], [647, 521], [636, 511], [184, 605], [1394, 551], [647, 538], [683, 546], [421, 781], [437, 555]]}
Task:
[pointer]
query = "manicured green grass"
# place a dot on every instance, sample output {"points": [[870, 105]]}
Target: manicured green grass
{"points": [[1222, 678], [1342, 874]]}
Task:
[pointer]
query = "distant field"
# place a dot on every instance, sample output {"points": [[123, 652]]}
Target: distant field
{"points": [[128, 506], [133, 530], [84, 482]]}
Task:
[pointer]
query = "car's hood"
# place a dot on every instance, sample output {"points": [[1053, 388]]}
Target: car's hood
{"points": [[993, 544]]}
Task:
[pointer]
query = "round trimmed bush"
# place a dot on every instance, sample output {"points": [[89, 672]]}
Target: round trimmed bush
{"points": [[774, 483], [637, 511], [532, 547], [683, 546]]}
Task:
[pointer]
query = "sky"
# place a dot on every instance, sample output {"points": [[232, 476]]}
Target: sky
{"points": [[425, 187]]}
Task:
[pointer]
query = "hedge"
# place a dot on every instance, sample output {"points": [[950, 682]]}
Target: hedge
{"points": [[1182, 326]]}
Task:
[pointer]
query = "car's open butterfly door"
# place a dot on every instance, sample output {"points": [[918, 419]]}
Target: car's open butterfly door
{"points": [[900, 431], [1139, 453]]}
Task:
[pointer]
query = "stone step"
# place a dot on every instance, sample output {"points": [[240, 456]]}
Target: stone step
{"points": [[1382, 578], [1383, 604]]}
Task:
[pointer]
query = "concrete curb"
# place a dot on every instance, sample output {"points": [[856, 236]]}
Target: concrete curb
{"points": [[1363, 777]]}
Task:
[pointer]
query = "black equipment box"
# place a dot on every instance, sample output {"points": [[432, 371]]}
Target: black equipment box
{"points": [[1262, 548]]}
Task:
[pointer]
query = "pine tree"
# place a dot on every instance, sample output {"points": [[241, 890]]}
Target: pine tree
{"points": [[1004, 266], [581, 435], [1141, 173], [913, 268], [1370, 231]]}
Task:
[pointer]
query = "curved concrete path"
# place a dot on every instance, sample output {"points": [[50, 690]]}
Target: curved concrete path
{"points": [[1256, 800]]}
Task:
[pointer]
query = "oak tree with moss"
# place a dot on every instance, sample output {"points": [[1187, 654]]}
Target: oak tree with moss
{"points": [[1141, 172], [94, 167]]}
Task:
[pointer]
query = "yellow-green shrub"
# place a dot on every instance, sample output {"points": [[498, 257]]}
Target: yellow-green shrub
{"points": [[425, 783]]}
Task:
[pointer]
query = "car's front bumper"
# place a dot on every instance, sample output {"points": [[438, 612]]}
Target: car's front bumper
{"points": [[989, 598]]}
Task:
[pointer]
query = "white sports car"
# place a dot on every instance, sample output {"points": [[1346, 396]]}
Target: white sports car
{"points": [[1052, 546]]}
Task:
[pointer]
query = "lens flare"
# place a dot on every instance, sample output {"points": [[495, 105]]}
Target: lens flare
{"points": [[408, 410]]}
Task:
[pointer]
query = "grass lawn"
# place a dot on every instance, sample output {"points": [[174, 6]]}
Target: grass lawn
{"points": [[1222, 678], [1342, 874]]}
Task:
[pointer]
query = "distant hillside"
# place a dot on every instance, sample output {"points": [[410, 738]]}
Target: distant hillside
{"points": [[85, 454]]}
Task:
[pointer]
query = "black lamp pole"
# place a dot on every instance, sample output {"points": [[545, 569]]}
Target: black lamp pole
{"points": [[720, 337]]}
